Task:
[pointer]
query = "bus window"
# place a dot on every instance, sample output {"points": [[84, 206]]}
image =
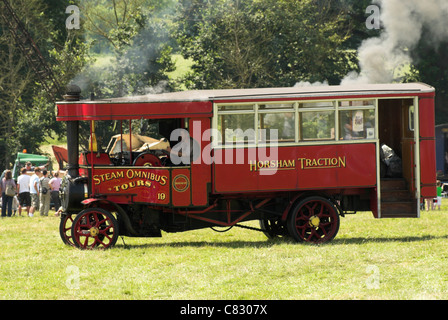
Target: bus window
{"points": [[236, 128], [276, 127], [357, 124], [356, 119], [317, 120], [317, 125], [276, 122]]}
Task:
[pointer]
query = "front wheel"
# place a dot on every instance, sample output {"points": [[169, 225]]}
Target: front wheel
{"points": [[314, 219], [65, 229], [94, 228]]}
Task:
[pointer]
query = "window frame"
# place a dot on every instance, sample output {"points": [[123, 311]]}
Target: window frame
{"points": [[298, 107]]}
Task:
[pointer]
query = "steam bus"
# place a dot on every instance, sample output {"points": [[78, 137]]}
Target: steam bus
{"points": [[295, 159]]}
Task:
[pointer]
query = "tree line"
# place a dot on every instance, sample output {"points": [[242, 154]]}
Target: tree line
{"points": [[127, 47]]}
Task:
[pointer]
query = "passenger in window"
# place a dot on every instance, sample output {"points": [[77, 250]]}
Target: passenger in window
{"points": [[355, 126], [349, 133]]}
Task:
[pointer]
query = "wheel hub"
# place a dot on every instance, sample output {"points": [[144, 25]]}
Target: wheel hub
{"points": [[94, 231], [314, 221]]}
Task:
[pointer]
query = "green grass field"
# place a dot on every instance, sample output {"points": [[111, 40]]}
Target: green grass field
{"points": [[369, 259]]}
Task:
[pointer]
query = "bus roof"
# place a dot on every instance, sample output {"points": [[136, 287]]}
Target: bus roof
{"points": [[286, 92], [199, 102]]}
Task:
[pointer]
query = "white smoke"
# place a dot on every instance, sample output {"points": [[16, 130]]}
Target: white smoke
{"points": [[403, 22], [309, 84]]}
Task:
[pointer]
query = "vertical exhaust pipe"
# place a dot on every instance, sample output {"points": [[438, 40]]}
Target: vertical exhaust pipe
{"points": [[73, 93]]}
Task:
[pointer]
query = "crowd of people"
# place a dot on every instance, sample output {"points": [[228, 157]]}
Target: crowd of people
{"points": [[31, 193]]}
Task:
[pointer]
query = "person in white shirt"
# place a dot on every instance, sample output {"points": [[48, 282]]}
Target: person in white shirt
{"points": [[34, 191], [23, 189]]}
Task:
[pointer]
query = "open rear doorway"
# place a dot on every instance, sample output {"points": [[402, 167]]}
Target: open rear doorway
{"points": [[396, 131]]}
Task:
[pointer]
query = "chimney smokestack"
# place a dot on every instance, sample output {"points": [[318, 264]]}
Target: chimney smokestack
{"points": [[73, 93]]}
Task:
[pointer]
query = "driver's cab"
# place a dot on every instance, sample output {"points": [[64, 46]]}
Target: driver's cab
{"points": [[165, 147], [138, 143]]}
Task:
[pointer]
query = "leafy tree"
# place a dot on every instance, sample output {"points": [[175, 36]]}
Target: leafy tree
{"points": [[261, 43], [27, 116], [135, 37]]}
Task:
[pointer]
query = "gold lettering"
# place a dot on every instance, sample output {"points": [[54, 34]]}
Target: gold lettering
{"points": [[309, 163], [342, 162], [252, 166], [303, 163], [278, 163]]}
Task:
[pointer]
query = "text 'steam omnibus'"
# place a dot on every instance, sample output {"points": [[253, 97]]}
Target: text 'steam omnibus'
{"points": [[296, 159]]}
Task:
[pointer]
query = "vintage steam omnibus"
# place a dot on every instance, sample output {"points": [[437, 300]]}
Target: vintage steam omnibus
{"points": [[296, 159]]}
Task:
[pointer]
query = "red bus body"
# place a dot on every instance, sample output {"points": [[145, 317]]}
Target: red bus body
{"points": [[314, 170]]}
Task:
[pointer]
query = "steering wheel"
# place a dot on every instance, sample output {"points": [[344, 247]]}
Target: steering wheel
{"points": [[147, 159]]}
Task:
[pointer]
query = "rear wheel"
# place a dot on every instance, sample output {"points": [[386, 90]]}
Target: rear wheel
{"points": [[95, 228], [273, 228], [314, 219]]}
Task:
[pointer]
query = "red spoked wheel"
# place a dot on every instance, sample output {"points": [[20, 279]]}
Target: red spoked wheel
{"points": [[65, 229], [94, 228], [274, 228], [314, 219]]}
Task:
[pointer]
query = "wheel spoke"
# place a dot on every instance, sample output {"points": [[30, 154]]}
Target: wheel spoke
{"points": [[313, 235], [322, 208], [86, 240]]}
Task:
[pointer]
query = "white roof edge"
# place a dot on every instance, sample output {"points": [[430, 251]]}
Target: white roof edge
{"points": [[267, 93]]}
